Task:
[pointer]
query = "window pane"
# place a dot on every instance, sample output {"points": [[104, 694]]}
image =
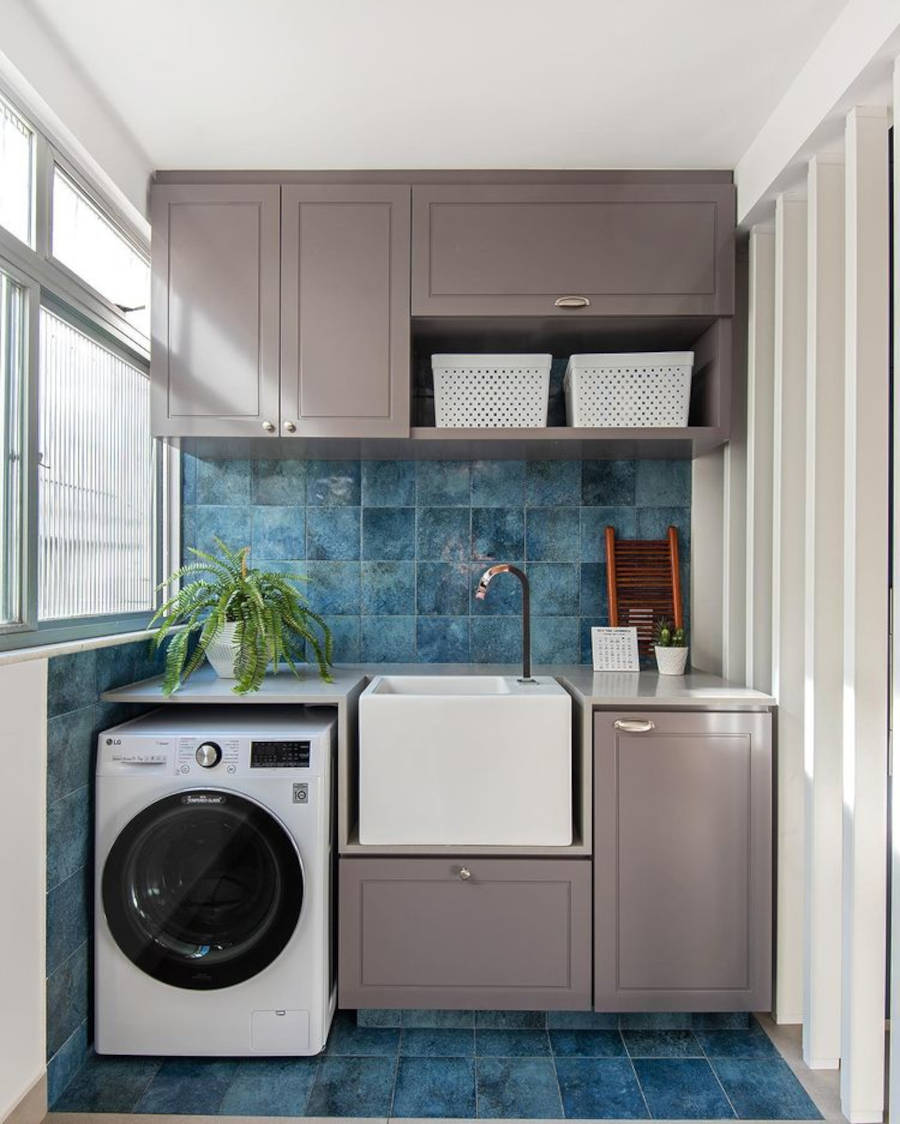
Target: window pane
{"points": [[12, 367], [16, 162], [96, 537], [87, 242]]}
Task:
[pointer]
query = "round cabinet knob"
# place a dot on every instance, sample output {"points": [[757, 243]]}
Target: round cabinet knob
{"points": [[464, 873], [208, 754], [268, 426], [290, 427]]}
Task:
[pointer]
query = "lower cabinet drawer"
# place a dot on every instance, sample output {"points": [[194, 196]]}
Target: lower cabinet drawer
{"points": [[471, 933]]}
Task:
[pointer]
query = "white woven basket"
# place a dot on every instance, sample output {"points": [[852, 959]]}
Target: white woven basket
{"points": [[630, 389], [488, 391]]}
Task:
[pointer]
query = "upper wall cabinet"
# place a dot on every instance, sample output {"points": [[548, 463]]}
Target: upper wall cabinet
{"points": [[345, 310], [214, 364], [628, 249]]}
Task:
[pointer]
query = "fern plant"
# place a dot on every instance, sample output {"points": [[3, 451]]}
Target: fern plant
{"points": [[274, 620]]}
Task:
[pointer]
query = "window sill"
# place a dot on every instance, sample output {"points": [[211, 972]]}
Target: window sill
{"points": [[67, 647]]}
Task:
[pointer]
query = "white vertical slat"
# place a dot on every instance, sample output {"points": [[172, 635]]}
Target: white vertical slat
{"points": [[734, 498], [788, 592], [707, 539], [865, 614], [823, 625], [894, 1084], [760, 373]]}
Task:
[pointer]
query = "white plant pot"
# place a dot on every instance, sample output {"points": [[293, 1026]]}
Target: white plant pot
{"points": [[223, 649], [671, 661]]}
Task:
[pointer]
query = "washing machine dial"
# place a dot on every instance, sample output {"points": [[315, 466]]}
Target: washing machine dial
{"points": [[208, 754]]}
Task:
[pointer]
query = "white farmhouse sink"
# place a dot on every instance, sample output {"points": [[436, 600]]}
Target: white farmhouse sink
{"points": [[465, 760]]}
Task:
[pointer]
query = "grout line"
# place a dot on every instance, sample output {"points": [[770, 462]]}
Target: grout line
{"points": [[716, 1075], [634, 1071]]}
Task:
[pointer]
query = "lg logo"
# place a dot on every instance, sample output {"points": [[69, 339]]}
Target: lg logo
{"points": [[113, 741]]}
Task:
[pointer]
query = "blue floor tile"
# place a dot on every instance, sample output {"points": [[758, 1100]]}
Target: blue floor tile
{"points": [[108, 1084], [581, 1020], [723, 1020], [753, 1043], [512, 1020], [352, 1087], [435, 1087], [764, 1089], [655, 1020], [600, 1088], [437, 1042], [682, 1089], [350, 1040], [517, 1088], [662, 1044], [188, 1087], [270, 1087], [587, 1043], [511, 1043], [438, 1018], [379, 1017]]}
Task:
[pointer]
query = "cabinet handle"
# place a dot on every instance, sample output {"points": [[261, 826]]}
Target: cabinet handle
{"points": [[464, 873], [634, 725], [268, 426], [572, 302], [290, 427]]}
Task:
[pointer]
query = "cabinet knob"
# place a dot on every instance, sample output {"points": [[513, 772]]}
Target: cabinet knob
{"points": [[464, 873], [268, 426], [290, 427], [634, 725], [572, 302]]}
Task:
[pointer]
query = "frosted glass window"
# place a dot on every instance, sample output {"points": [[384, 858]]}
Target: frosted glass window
{"points": [[16, 174], [85, 241], [12, 367], [96, 478]]}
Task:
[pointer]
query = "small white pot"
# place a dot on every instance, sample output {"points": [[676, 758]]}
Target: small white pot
{"points": [[223, 649], [671, 661]]}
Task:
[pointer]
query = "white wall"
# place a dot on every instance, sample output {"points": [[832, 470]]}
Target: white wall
{"points": [[23, 783]]}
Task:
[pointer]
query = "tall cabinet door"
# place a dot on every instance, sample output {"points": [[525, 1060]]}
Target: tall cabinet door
{"points": [[682, 861], [214, 359], [345, 310]]}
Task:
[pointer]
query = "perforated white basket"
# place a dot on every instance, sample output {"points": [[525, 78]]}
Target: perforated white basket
{"points": [[491, 390], [630, 389]]}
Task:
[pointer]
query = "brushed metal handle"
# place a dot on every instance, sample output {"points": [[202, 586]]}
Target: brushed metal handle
{"points": [[572, 302], [290, 426], [464, 873], [634, 725], [269, 426]]}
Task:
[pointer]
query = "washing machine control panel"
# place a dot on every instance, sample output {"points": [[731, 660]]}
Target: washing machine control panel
{"points": [[201, 755]]}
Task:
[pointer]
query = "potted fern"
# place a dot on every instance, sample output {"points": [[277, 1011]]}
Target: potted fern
{"points": [[242, 619], [671, 647]]}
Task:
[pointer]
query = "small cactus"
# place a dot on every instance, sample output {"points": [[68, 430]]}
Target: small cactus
{"points": [[666, 635]]}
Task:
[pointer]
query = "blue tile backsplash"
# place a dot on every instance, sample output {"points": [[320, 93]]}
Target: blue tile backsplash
{"points": [[394, 549]]}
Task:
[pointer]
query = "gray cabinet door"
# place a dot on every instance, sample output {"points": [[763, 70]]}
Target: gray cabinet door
{"points": [[345, 366], [683, 862], [514, 934], [630, 249], [214, 310]]}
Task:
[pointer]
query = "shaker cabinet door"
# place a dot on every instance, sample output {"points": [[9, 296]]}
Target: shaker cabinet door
{"points": [[214, 310], [345, 310]]}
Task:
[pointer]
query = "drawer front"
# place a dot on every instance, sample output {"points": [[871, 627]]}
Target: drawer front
{"points": [[633, 249], [473, 933]]}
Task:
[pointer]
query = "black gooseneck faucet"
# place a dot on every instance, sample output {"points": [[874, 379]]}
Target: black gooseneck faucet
{"points": [[481, 592]]}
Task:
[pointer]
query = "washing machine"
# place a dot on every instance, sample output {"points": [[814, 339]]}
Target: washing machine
{"points": [[213, 894]]}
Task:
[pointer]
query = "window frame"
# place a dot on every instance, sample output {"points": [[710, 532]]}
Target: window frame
{"points": [[31, 242]]}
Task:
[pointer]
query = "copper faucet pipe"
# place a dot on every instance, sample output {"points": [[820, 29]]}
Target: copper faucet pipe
{"points": [[481, 592]]}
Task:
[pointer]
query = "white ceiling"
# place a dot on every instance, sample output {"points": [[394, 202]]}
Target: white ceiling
{"points": [[460, 84]]}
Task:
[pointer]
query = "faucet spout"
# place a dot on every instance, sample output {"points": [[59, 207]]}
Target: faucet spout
{"points": [[481, 592]]}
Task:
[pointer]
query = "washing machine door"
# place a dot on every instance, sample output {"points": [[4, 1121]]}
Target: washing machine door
{"points": [[203, 889]]}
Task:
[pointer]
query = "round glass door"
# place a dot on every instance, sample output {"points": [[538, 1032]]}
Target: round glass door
{"points": [[203, 889]]}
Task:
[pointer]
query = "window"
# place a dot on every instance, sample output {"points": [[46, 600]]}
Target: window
{"points": [[12, 367], [86, 242], [96, 474], [16, 174]]}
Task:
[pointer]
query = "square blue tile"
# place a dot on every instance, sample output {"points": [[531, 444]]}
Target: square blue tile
{"points": [[108, 1084], [65, 1064], [432, 1086], [654, 522], [119, 664], [595, 520], [553, 483], [443, 483], [437, 1017], [764, 1090], [349, 1039], [68, 989], [552, 534], [270, 1087], [344, 637], [594, 599], [71, 682], [188, 1086], [504, 595], [68, 835], [333, 587], [517, 1088], [498, 533], [388, 483], [582, 1020], [663, 483], [388, 639], [511, 1043], [223, 481], [379, 1017], [723, 1020], [608, 483], [511, 1020], [333, 533], [682, 1089], [279, 482], [68, 918], [585, 624], [600, 1089], [278, 533], [495, 640], [388, 533], [230, 524], [442, 640], [587, 1043], [443, 534], [71, 749], [388, 588], [498, 483], [655, 1020], [750, 1043], [555, 588], [188, 478], [352, 1087], [442, 589], [333, 483], [555, 640], [438, 1042], [661, 1044]]}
